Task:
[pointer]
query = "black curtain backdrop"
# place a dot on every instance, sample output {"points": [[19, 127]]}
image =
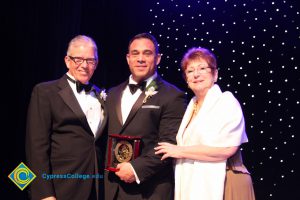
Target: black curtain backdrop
{"points": [[36, 34]]}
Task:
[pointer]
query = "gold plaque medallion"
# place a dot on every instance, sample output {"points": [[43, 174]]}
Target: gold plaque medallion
{"points": [[123, 151]]}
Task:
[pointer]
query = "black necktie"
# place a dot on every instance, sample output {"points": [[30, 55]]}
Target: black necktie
{"points": [[80, 86], [134, 87]]}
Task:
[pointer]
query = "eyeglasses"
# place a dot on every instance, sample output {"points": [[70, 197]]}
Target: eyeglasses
{"points": [[79, 60], [200, 70]]}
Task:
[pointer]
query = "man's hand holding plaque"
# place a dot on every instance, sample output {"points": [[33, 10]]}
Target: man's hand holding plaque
{"points": [[125, 172]]}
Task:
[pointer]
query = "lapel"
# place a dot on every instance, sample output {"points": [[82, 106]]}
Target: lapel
{"points": [[136, 105], [185, 121], [210, 100], [104, 108], [118, 98], [69, 98]]}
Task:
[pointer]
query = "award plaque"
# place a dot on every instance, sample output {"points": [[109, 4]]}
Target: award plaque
{"points": [[121, 148]]}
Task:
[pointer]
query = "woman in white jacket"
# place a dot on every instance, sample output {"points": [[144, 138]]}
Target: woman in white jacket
{"points": [[209, 137]]}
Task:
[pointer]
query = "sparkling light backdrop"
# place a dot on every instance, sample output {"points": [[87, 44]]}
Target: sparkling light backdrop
{"points": [[257, 48]]}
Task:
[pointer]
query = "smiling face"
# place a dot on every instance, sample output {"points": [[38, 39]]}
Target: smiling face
{"points": [[83, 50], [200, 76], [142, 59]]}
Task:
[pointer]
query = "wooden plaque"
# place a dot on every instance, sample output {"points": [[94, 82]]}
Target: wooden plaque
{"points": [[121, 148]]}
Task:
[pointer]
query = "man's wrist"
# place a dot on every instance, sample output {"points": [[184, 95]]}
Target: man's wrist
{"points": [[137, 180]]}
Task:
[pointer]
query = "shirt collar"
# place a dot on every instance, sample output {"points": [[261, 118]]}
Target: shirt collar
{"points": [[148, 80]]}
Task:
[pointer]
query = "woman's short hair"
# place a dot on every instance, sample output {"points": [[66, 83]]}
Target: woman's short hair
{"points": [[198, 53]]}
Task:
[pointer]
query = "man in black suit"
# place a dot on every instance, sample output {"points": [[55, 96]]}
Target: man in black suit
{"points": [[66, 118], [154, 114]]}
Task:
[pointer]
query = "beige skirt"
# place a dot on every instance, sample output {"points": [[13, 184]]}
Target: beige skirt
{"points": [[238, 186]]}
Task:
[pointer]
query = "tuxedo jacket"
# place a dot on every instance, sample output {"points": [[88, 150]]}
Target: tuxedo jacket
{"points": [[156, 120], [59, 141]]}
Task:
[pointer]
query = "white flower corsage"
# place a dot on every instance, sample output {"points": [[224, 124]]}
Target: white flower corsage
{"points": [[103, 95], [150, 91]]}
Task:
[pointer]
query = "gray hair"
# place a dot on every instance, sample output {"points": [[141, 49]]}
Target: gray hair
{"points": [[83, 39]]}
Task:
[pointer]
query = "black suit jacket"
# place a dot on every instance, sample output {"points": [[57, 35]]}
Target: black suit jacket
{"points": [[156, 120], [60, 141]]}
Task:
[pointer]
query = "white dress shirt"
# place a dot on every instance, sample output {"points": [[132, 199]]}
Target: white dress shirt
{"points": [[128, 99], [90, 106]]}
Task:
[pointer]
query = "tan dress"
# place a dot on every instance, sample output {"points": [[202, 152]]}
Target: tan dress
{"points": [[238, 182]]}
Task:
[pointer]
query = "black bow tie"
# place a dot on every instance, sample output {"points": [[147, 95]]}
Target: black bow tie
{"points": [[133, 87], [80, 86], [86, 87]]}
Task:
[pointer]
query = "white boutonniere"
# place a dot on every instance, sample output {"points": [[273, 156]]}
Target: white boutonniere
{"points": [[103, 95], [150, 91]]}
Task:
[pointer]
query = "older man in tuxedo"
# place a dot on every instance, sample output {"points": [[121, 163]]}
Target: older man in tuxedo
{"points": [[144, 106], [66, 118]]}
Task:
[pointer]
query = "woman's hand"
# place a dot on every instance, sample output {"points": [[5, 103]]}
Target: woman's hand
{"points": [[168, 150]]}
